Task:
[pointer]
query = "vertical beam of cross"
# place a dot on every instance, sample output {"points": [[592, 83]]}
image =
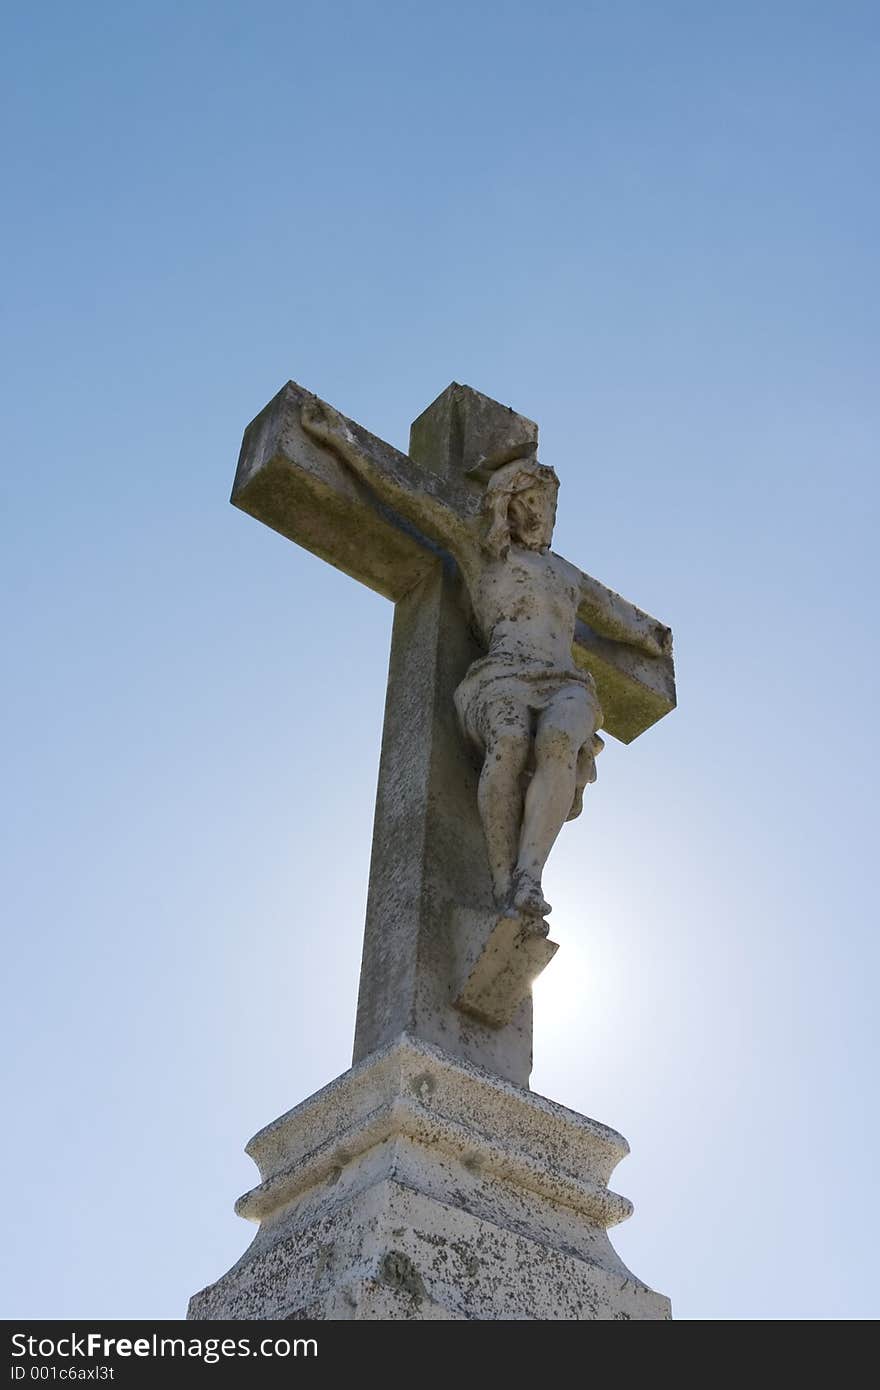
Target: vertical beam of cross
{"points": [[429, 858]]}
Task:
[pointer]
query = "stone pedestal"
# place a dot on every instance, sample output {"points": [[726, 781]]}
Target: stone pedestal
{"points": [[418, 1186]]}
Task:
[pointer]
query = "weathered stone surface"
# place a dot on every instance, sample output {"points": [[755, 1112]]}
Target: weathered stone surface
{"points": [[429, 857], [456, 433], [287, 481], [417, 1186], [524, 705], [634, 690], [501, 977], [462, 430], [429, 854], [429, 867]]}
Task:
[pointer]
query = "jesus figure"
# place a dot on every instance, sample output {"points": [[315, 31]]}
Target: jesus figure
{"points": [[531, 713]]}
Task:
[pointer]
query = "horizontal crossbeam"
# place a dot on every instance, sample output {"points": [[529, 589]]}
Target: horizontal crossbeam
{"points": [[291, 484]]}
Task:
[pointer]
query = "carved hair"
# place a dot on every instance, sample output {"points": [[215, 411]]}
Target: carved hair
{"points": [[501, 488]]}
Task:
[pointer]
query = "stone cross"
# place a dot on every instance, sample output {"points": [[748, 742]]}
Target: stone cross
{"points": [[440, 962]]}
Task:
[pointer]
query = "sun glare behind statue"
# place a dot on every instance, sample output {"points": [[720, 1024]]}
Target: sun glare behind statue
{"points": [[587, 987]]}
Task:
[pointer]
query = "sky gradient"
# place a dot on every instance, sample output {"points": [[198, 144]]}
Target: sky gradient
{"points": [[652, 228]]}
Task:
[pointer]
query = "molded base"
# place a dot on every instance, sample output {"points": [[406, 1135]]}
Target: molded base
{"points": [[418, 1187]]}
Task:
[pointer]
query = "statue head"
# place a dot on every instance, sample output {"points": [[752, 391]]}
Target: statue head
{"points": [[520, 507]]}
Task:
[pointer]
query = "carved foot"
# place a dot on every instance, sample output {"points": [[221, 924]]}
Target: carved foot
{"points": [[528, 899]]}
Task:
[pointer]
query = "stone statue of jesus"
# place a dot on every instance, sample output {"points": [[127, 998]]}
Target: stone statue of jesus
{"points": [[531, 713]]}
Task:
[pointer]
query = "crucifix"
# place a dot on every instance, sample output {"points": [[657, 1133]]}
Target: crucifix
{"points": [[506, 661]]}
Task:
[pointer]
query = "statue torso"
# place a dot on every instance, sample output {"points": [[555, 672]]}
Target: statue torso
{"points": [[525, 606]]}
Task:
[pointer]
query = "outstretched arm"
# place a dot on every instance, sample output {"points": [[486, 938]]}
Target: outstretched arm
{"points": [[418, 500], [612, 616]]}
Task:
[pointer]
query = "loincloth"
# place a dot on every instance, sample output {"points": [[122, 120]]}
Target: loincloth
{"points": [[532, 687]]}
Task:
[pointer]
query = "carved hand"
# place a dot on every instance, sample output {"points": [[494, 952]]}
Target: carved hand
{"points": [[321, 421], [328, 428]]}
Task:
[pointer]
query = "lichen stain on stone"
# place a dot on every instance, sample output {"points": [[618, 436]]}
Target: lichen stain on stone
{"points": [[399, 1271], [430, 1238], [470, 1263]]}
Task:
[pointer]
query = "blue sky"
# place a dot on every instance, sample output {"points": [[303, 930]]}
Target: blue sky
{"points": [[650, 227]]}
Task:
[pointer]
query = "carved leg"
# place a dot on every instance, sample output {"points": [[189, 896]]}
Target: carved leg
{"points": [[500, 790], [563, 728]]}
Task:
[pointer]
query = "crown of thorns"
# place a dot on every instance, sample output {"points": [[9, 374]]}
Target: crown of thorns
{"points": [[488, 464], [513, 471]]}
